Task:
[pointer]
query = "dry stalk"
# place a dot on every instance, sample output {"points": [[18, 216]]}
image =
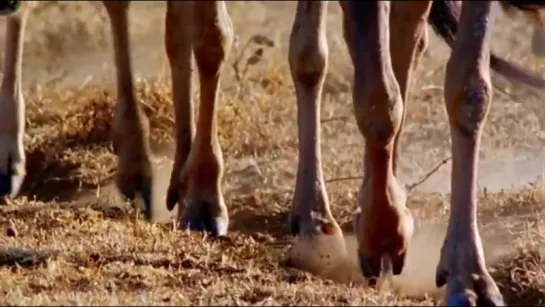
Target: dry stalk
{"points": [[409, 187], [256, 56]]}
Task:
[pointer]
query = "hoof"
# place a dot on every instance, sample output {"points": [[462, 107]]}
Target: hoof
{"points": [[466, 284], [370, 260], [205, 217], [460, 300], [10, 184], [371, 267], [481, 291], [173, 197], [317, 227], [145, 191], [295, 225], [317, 251], [491, 300], [215, 227]]}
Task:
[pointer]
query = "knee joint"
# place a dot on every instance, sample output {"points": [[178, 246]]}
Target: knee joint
{"points": [[379, 113], [468, 105], [308, 59], [212, 41]]}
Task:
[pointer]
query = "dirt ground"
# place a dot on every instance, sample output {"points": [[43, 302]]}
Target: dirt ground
{"points": [[76, 242]]}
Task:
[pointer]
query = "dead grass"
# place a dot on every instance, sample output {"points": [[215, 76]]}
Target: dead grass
{"points": [[67, 240]]}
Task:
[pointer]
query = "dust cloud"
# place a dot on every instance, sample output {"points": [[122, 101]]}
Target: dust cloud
{"points": [[418, 277], [335, 257], [108, 195]]}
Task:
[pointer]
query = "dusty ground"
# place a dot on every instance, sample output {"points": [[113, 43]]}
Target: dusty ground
{"points": [[77, 243]]}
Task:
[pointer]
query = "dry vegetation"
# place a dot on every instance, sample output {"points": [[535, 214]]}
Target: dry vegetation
{"points": [[70, 240]]}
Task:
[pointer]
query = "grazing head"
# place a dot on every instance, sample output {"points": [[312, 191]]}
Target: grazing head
{"points": [[9, 7]]}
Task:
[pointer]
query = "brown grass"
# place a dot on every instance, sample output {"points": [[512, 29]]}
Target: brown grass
{"points": [[70, 240]]}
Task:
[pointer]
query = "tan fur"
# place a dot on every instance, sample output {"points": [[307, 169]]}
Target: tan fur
{"points": [[12, 105], [385, 40]]}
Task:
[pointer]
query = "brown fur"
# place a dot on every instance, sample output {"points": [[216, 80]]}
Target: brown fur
{"points": [[386, 41]]}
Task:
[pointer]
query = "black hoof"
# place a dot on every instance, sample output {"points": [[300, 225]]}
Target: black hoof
{"points": [[10, 184], [370, 268], [145, 191], [203, 216], [295, 225], [463, 300], [173, 197], [398, 263], [213, 226]]}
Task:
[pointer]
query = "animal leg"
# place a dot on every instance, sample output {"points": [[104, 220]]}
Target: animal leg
{"points": [[308, 53], [538, 47], [383, 224], [467, 95], [130, 127], [408, 41], [12, 108], [202, 175], [310, 217], [178, 41]]}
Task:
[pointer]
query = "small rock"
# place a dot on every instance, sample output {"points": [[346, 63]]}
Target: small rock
{"points": [[12, 230], [263, 238]]}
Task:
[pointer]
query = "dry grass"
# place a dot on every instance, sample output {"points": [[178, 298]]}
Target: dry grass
{"points": [[70, 240]]}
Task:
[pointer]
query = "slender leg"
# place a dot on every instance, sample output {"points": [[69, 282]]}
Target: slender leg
{"points": [[202, 175], [178, 41], [467, 95], [12, 108], [130, 127], [408, 41], [538, 47], [383, 224], [308, 52]]}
